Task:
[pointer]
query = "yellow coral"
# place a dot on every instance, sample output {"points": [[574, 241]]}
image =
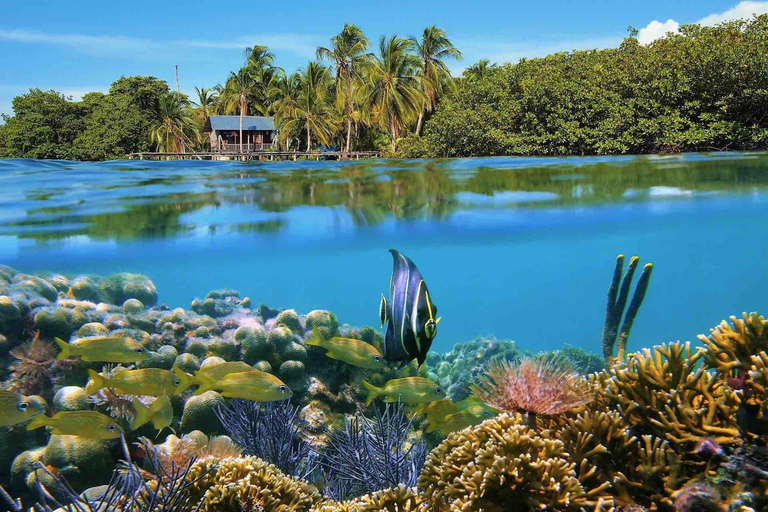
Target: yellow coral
{"points": [[240, 483], [397, 499], [731, 347], [502, 464]]}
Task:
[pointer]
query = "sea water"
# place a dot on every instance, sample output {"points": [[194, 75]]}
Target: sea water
{"points": [[521, 248]]}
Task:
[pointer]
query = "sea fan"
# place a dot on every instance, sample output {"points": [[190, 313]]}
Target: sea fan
{"points": [[541, 385], [371, 454], [270, 431], [34, 369]]}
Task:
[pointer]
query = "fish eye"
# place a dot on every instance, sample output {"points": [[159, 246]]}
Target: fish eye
{"points": [[438, 390], [377, 358], [139, 350], [282, 389], [23, 406], [111, 427], [176, 382]]}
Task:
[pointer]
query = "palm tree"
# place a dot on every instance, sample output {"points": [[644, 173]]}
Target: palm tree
{"points": [[237, 93], [348, 54], [480, 69], [174, 128], [206, 98], [310, 109], [433, 49], [393, 86], [284, 98]]}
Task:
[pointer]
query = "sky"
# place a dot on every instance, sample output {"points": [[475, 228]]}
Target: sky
{"points": [[82, 46]]}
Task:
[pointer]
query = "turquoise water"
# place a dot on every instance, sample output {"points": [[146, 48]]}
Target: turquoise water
{"points": [[522, 248]]}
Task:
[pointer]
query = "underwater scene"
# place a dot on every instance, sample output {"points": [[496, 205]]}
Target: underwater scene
{"points": [[480, 334]]}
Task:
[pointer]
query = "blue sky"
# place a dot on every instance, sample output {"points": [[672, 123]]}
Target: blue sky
{"points": [[81, 46]]}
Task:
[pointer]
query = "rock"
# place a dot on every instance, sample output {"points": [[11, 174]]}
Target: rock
{"points": [[200, 413], [132, 306], [35, 286], [325, 321], [187, 363], [92, 329], [164, 358], [71, 398]]}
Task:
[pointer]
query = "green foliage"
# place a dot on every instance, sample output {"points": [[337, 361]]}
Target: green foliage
{"points": [[703, 89]]}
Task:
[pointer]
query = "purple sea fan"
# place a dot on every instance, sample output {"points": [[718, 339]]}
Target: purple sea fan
{"points": [[698, 497], [541, 385]]}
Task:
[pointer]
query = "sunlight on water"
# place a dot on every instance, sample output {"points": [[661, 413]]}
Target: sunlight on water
{"points": [[519, 247]]}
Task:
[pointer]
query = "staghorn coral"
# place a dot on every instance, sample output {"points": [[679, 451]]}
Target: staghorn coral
{"points": [[503, 465], [395, 499], [665, 392], [543, 385], [242, 483], [731, 348], [618, 293]]}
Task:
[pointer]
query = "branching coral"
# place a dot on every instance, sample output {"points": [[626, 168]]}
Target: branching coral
{"points": [[618, 293], [195, 446], [730, 348], [543, 385], [271, 431], [396, 499], [241, 483], [502, 465]]}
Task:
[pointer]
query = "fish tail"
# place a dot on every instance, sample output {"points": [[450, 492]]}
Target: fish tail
{"points": [[373, 392], [96, 383], [185, 380], [142, 413], [431, 427], [206, 383], [38, 421], [66, 350], [317, 339]]}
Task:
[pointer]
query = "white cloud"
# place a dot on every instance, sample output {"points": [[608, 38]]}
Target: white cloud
{"points": [[743, 10], [656, 30], [107, 44]]}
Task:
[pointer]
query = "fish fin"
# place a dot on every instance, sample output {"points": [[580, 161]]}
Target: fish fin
{"points": [[206, 384], [142, 414], [373, 392], [332, 355], [431, 427], [185, 380], [66, 350], [317, 339], [437, 320], [383, 310], [37, 422], [96, 383]]}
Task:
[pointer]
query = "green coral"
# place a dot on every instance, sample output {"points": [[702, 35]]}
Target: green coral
{"points": [[325, 321], [291, 370], [187, 362], [290, 319], [92, 329], [200, 412], [253, 342], [59, 322], [71, 398], [132, 306], [163, 358]]}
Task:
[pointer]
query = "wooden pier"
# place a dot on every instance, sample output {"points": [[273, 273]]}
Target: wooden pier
{"points": [[257, 155]]}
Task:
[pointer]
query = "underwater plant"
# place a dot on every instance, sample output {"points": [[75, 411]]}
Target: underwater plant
{"points": [[618, 293], [544, 385], [33, 371], [270, 431], [371, 453]]}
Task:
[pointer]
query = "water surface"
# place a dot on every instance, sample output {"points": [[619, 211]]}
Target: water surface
{"points": [[522, 248]]}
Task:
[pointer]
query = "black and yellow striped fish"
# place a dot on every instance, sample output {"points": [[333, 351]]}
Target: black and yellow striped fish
{"points": [[412, 315]]}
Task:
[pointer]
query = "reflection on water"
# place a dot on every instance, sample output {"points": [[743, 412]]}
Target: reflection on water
{"points": [[135, 200]]}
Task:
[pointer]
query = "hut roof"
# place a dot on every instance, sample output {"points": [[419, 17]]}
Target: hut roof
{"points": [[233, 123]]}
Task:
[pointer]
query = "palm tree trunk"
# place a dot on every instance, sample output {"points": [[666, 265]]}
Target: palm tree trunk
{"points": [[349, 133], [393, 131], [418, 125], [309, 139], [241, 127]]}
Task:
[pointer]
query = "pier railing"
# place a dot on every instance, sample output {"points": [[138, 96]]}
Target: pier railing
{"points": [[257, 155], [247, 148]]}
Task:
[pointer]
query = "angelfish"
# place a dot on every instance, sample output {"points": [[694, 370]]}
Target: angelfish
{"points": [[411, 314]]}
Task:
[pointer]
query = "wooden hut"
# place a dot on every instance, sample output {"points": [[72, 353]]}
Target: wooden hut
{"points": [[259, 133]]}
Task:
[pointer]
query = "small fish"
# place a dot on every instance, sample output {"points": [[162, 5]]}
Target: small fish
{"points": [[456, 421], [410, 390], [411, 316], [159, 412], [216, 372], [147, 381], [351, 351], [253, 385], [109, 349], [90, 424], [437, 411], [16, 408]]}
